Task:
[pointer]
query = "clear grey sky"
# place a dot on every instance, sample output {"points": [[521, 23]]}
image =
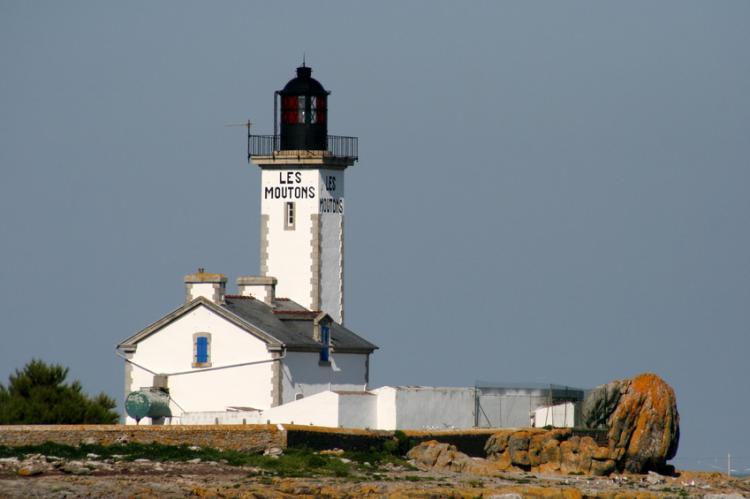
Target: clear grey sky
{"points": [[547, 191]]}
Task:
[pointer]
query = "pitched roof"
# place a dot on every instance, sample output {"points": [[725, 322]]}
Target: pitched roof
{"points": [[292, 324], [287, 325]]}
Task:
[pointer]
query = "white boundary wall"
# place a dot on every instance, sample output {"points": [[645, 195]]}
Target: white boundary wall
{"points": [[332, 409], [425, 407], [559, 416], [386, 408]]}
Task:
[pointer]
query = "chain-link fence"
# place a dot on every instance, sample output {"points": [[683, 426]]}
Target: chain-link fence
{"points": [[507, 405]]}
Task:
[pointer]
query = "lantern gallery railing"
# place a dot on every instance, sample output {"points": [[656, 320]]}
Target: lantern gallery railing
{"points": [[267, 145]]}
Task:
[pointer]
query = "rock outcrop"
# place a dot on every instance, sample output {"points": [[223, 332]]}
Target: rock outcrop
{"points": [[548, 451], [439, 456], [642, 420]]}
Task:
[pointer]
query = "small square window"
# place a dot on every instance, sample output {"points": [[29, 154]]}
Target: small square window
{"points": [[289, 215]]}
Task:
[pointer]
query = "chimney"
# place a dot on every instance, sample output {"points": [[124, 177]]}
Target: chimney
{"points": [[260, 287], [210, 286]]}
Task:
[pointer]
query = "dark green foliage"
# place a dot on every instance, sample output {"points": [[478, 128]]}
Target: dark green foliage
{"points": [[399, 445], [38, 394], [404, 443]]}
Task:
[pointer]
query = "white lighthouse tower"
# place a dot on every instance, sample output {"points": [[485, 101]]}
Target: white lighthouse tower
{"points": [[302, 197]]}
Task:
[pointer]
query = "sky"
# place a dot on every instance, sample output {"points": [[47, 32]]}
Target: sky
{"points": [[547, 192]]}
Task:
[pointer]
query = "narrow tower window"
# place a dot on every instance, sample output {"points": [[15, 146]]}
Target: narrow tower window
{"points": [[289, 215]]}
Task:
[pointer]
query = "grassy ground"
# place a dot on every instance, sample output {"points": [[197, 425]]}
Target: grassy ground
{"points": [[294, 462]]}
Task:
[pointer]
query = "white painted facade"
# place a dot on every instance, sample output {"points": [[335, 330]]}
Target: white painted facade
{"points": [[304, 250], [219, 417], [303, 375], [288, 257], [331, 209], [170, 351]]}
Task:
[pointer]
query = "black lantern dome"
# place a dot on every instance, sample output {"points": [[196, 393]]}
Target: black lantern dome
{"points": [[304, 113]]}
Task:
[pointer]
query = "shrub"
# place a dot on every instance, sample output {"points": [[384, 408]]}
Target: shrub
{"points": [[38, 394]]}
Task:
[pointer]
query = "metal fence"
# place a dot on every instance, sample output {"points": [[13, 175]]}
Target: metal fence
{"points": [[499, 405], [337, 146]]}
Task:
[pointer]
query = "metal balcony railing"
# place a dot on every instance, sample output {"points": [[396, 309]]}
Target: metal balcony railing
{"points": [[338, 146]]}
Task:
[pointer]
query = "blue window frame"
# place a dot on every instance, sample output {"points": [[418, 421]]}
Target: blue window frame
{"points": [[325, 340]]}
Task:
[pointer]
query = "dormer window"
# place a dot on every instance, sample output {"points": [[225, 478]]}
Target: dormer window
{"points": [[325, 340]]}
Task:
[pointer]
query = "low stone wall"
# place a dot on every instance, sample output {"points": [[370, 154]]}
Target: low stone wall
{"points": [[254, 438], [319, 438], [550, 451], [468, 441]]}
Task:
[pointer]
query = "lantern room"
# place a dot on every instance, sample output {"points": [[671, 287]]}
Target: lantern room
{"points": [[300, 126], [304, 113]]}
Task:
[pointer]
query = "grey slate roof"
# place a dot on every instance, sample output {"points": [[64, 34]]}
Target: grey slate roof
{"points": [[287, 325], [292, 324]]}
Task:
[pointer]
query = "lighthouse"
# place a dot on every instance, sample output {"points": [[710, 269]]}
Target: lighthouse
{"points": [[302, 197]]}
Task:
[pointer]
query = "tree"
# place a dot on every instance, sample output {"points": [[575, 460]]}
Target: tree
{"points": [[38, 394]]}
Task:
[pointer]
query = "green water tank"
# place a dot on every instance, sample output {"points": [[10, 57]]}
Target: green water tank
{"points": [[148, 404]]}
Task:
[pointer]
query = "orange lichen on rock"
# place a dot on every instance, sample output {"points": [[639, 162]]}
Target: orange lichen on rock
{"points": [[645, 424], [641, 422], [548, 451]]}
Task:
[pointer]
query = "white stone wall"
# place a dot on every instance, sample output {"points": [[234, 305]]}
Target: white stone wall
{"points": [[170, 350], [289, 256], [321, 409], [207, 290], [425, 407], [358, 410], [219, 417], [331, 409], [386, 408], [559, 416], [331, 209], [301, 373]]}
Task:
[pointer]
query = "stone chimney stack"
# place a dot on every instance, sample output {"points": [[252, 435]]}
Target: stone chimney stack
{"points": [[210, 286], [260, 287]]}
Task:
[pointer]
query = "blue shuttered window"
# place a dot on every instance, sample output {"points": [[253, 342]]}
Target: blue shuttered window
{"points": [[201, 350], [325, 339]]}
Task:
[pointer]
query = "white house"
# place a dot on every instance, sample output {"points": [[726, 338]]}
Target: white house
{"points": [[220, 352]]}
